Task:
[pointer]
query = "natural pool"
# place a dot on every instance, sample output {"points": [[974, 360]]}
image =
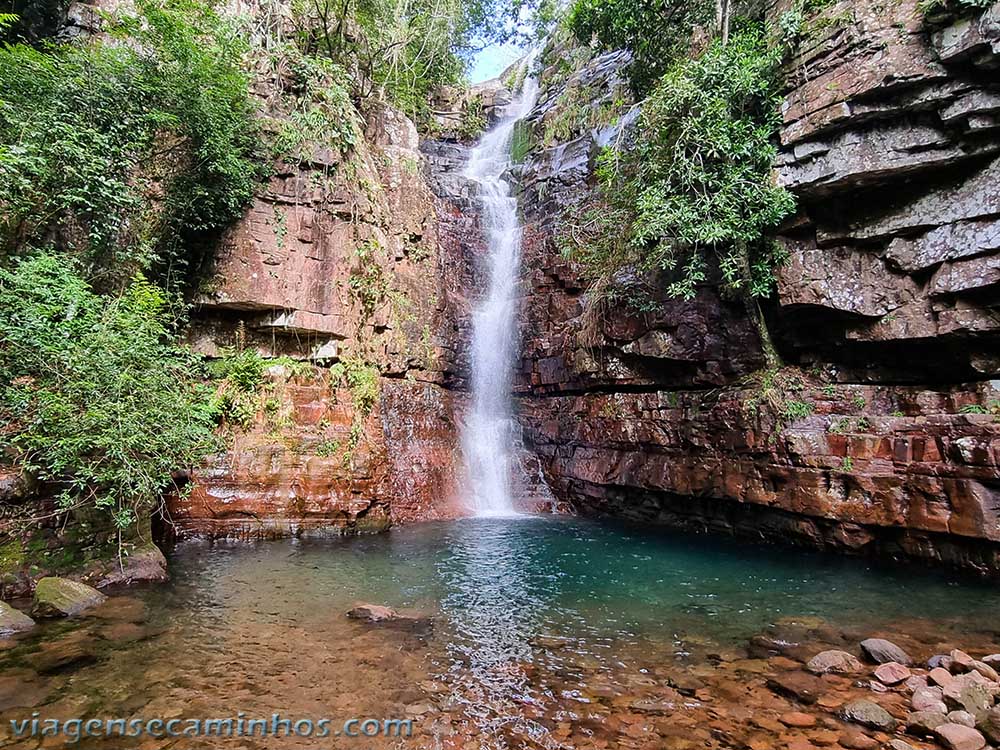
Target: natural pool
{"points": [[533, 632]]}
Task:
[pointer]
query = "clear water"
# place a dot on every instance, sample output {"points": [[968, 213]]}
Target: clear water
{"points": [[488, 433], [529, 620]]}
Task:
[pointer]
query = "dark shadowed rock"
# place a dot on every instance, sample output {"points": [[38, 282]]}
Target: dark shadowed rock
{"points": [[882, 651], [989, 725]]}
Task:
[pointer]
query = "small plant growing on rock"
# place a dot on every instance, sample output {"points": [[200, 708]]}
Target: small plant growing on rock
{"points": [[847, 464], [797, 410]]}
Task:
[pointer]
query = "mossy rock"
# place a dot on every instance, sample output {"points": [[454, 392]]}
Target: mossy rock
{"points": [[60, 597], [13, 620]]}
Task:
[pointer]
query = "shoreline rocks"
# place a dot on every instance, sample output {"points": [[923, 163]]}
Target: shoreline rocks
{"points": [[13, 620], [61, 597]]}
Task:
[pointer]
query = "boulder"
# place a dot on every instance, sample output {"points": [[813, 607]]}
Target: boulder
{"points": [[837, 662], [882, 651], [60, 597], [13, 620], [868, 714], [958, 737], [923, 723], [968, 692], [892, 673]]}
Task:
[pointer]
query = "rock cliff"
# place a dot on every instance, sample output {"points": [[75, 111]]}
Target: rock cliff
{"points": [[881, 435]]}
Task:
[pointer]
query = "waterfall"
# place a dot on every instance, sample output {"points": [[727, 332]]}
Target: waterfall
{"points": [[489, 430]]}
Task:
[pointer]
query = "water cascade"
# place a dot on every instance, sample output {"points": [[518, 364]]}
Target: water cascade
{"points": [[490, 429]]}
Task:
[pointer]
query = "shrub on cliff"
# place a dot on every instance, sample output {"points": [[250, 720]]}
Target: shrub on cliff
{"points": [[126, 154], [96, 398], [696, 182]]}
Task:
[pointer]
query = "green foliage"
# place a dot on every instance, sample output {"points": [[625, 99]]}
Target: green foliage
{"points": [[697, 181], [126, 154], [367, 283], [362, 380], [655, 33], [473, 118], [847, 464], [96, 396], [241, 372], [521, 142], [797, 410], [973, 409], [953, 7]]}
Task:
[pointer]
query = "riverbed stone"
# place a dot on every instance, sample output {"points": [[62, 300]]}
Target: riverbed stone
{"points": [[61, 597], [968, 692], [960, 661], [989, 725], [881, 651], [372, 613], [799, 685], [834, 661], [985, 670], [855, 739], [929, 699], [962, 717], [797, 719], [940, 676], [923, 723], [892, 673], [13, 620], [868, 714], [898, 744], [915, 682], [958, 737], [993, 660], [938, 660]]}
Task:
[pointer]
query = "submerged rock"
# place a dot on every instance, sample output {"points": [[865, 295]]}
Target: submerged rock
{"points": [[373, 613], [799, 685], [882, 651], [868, 714], [837, 662], [13, 620], [60, 597]]}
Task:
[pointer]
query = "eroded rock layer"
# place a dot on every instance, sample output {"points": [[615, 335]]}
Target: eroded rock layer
{"points": [[881, 435]]}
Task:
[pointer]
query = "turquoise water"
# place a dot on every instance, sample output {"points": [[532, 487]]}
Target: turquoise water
{"points": [[519, 624]]}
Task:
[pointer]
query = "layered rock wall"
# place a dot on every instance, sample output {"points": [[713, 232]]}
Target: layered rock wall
{"points": [[881, 435]]}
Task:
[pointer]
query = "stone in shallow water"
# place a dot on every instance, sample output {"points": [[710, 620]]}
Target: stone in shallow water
{"points": [[797, 719], [958, 737], [854, 739], [838, 662], [60, 597], [799, 685], [13, 620], [881, 651], [868, 714], [72, 651], [900, 745], [892, 673], [372, 613]]}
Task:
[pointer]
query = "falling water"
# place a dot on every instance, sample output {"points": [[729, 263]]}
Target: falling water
{"points": [[489, 429]]}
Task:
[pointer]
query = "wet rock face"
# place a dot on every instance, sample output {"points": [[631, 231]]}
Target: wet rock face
{"points": [[890, 141], [889, 300]]}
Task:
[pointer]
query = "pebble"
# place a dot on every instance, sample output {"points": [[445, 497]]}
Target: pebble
{"points": [[958, 737], [892, 673]]}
